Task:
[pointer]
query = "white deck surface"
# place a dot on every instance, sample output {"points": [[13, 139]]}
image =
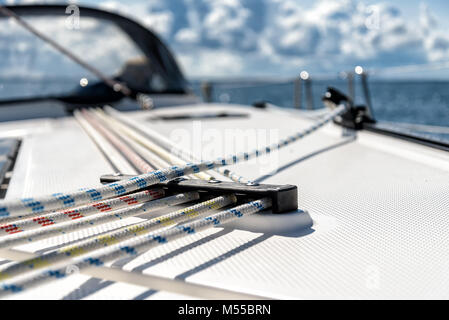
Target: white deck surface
{"points": [[373, 219]]}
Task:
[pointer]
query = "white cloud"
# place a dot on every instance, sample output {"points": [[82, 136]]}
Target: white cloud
{"points": [[228, 37], [436, 42], [219, 63], [187, 36], [23, 54]]}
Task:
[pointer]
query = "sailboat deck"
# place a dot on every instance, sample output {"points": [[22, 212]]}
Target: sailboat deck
{"points": [[372, 219]]}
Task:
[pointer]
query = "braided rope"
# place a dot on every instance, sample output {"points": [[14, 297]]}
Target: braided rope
{"points": [[117, 162], [132, 156], [153, 147], [115, 236], [133, 247], [153, 157], [34, 221], [77, 198], [167, 144], [100, 218]]}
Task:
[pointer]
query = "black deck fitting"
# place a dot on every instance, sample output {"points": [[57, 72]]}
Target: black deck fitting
{"points": [[355, 116], [284, 197]]}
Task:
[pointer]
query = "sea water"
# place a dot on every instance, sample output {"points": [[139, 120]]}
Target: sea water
{"points": [[415, 102], [411, 102]]}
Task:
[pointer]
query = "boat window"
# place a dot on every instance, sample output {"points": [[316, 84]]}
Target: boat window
{"points": [[32, 68]]}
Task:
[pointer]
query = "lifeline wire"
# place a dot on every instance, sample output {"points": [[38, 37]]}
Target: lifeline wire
{"points": [[100, 218], [36, 220], [77, 198], [115, 236], [134, 247]]}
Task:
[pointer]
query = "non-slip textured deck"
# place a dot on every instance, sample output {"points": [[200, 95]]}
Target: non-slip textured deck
{"points": [[372, 223]]}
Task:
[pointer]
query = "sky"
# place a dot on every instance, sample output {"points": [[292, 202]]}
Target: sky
{"points": [[280, 38]]}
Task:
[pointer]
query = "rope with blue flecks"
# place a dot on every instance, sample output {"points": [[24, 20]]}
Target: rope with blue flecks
{"points": [[100, 218], [133, 129], [63, 200], [111, 129], [133, 247], [115, 236], [155, 142], [35, 220]]}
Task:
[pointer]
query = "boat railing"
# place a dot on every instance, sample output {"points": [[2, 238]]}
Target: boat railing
{"points": [[303, 95]]}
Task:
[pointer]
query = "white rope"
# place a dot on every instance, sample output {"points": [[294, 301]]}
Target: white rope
{"points": [[100, 218], [161, 152], [133, 247], [115, 236], [150, 156], [62, 200], [135, 159], [145, 152], [170, 145], [34, 221], [109, 152]]}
